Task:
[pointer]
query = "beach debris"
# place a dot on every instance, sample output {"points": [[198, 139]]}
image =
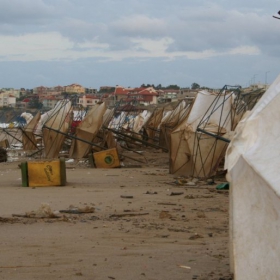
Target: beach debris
{"points": [[176, 193], [201, 214], [189, 196], [167, 203], [223, 186], [128, 215], [126, 196], [44, 211], [43, 173], [78, 210], [184, 266], [210, 181], [8, 220], [24, 266], [195, 236], [149, 192], [165, 215], [107, 159]]}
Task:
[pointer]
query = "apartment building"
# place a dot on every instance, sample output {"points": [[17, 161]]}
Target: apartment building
{"points": [[88, 100], [7, 100]]}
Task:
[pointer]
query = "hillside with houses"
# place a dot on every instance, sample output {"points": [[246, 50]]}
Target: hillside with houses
{"points": [[45, 98]]}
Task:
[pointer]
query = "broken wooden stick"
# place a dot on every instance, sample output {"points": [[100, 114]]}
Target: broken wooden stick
{"points": [[126, 196], [166, 203], [35, 217], [128, 215], [176, 193]]}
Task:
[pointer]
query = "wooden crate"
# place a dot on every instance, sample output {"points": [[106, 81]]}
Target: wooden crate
{"points": [[43, 173], [107, 159]]}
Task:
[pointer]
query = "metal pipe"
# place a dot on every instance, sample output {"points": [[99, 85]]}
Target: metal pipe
{"points": [[213, 135], [136, 139], [74, 137]]}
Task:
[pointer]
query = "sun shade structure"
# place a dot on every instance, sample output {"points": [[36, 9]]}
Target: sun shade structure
{"points": [[171, 120], [252, 161], [59, 121], [199, 142], [28, 137], [87, 130]]}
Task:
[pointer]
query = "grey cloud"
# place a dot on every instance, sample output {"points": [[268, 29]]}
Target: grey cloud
{"points": [[233, 29], [194, 25], [25, 12], [80, 30], [139, 26]]}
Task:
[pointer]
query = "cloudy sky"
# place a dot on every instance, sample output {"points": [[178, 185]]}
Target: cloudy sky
{"points": [[130, 42]]}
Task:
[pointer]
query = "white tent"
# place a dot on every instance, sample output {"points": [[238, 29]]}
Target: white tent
{"points": [[253, 162]]}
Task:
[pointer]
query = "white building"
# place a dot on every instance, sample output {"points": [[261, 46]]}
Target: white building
{"points": [[7, 100]]}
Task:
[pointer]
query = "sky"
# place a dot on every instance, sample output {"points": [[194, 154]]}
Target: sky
{"points": [[131, 42]]}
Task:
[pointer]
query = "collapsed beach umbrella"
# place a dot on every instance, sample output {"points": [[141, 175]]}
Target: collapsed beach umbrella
{"points": [[171, 120], [55, 127], [199, 143], [151, 127], [28, 134], [87, 130], [190, 157]]}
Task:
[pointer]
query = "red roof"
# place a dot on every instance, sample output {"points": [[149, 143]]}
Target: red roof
{"points": [[148, 91], [125, 91], [91, 96], [121, 90]]}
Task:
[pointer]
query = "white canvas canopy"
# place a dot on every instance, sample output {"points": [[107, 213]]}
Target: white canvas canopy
{"points": [[252, 161], [171, 120], [152, 124], [191, 157], [140, 120], [87, 130], [28, 136], [60, 119]]}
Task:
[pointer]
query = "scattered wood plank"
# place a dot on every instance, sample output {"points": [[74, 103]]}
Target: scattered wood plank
{"points": [[126, 196], [34, 216], [128, 215], [167, 203], [176, 193]]}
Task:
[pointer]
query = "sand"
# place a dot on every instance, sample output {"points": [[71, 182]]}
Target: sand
{"points": [[152, 236]]}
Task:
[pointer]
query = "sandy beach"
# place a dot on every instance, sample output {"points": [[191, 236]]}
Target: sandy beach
{"points": [[146, 224]]}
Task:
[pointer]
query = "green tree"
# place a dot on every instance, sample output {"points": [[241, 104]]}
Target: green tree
{"points": [[195, 86], [173, 87]]}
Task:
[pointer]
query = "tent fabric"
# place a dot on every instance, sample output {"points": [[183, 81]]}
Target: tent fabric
{"points": [[152, 124], [140, 120], [28, 137], [87, 130], [171, 121], [252, 161], [193, 153], [60, 119]]}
